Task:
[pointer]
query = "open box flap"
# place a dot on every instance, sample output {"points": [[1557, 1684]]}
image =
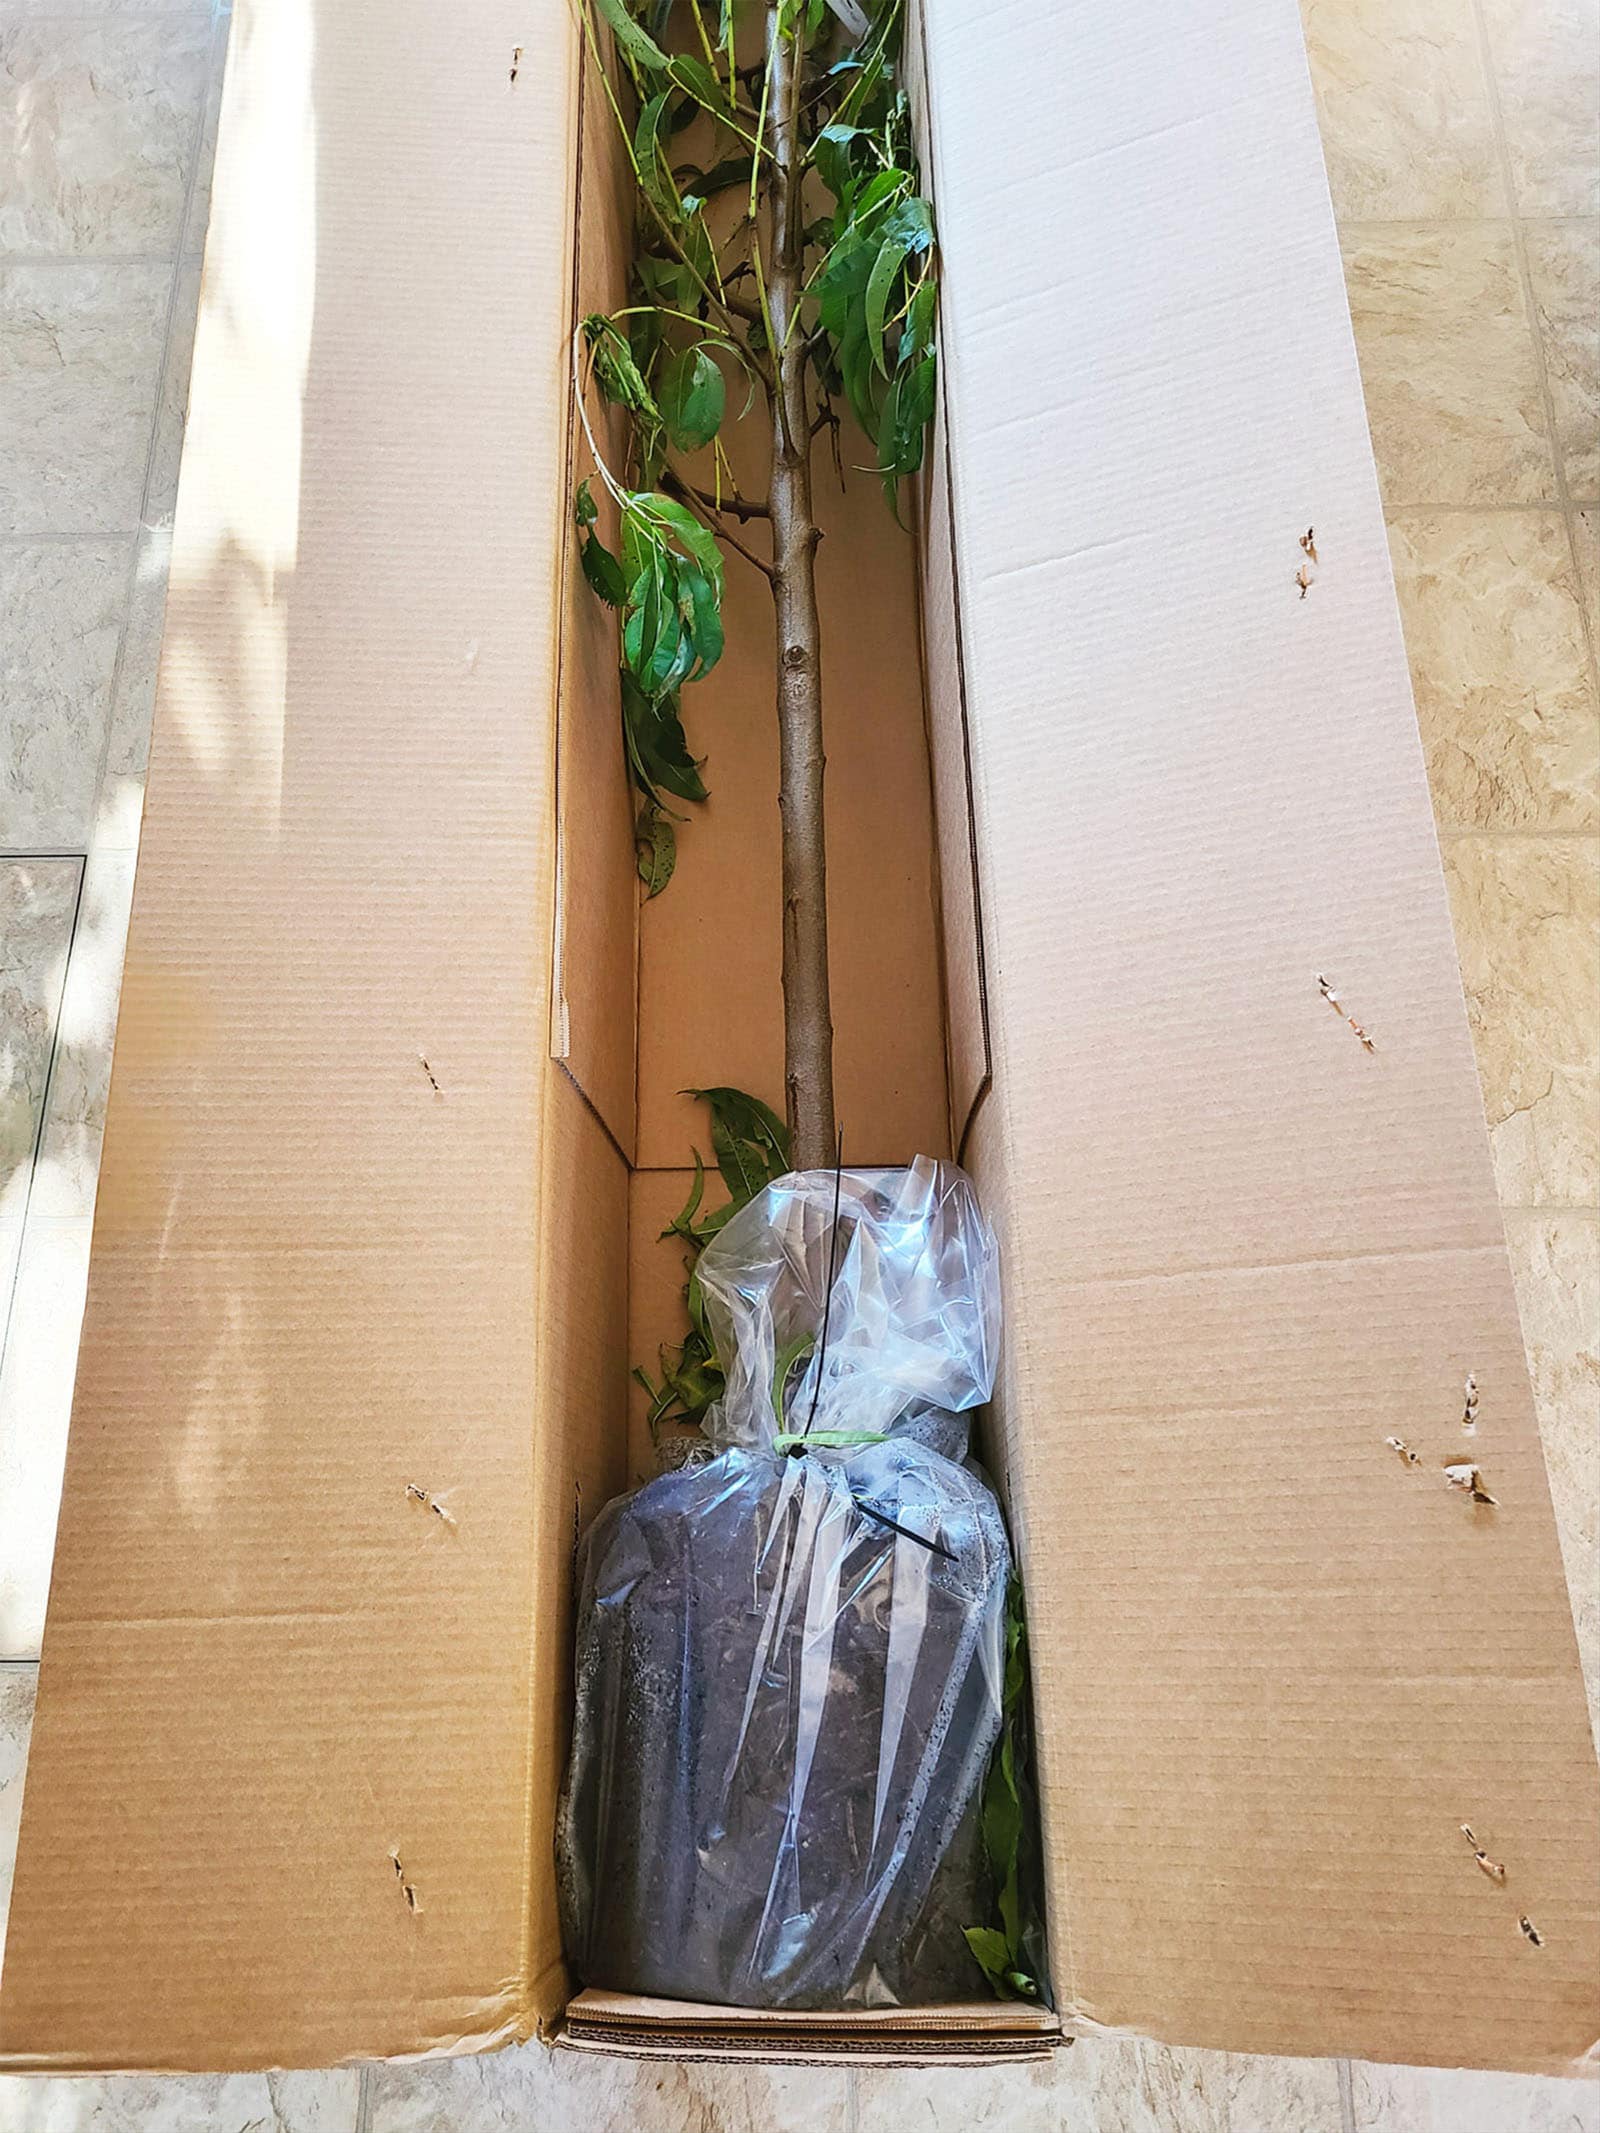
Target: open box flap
{"points": [[270, 1670], [1276, 1666]]}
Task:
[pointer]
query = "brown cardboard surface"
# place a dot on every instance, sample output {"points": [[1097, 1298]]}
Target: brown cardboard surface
{"points": [[597, 909], [267, 1667], [1275, 1669]]}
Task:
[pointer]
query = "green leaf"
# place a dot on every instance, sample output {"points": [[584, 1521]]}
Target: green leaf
{"points": [[657, 845], [639, 46], [705, 624], [653, 178], [602, 569], [682, 1222], [662, 518], [616, 372], [788, 1355], [885, 273], [730, 171], [692, 395], [907, 411], [750, 1142], [989, 1946], [832, 154], [657, 751], [583, 507], [697, 80]]}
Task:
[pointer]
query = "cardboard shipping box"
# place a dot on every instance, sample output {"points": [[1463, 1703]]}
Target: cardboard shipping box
{"points": [[395, 1115]]}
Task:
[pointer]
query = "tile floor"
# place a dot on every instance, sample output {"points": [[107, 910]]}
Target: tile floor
{"points": [[1462, 146]]}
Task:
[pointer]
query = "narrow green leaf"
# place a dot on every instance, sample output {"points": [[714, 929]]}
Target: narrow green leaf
{"points": [[653, 177], [682, 1222], [790, 1354], [637, 43], [880, 285]]}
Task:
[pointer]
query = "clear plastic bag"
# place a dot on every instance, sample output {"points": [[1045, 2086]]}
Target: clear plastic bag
{"points": [[789, 1657]]}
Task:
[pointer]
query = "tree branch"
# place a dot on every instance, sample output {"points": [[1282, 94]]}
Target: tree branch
{"points": [[711, 518], [741, 507]]}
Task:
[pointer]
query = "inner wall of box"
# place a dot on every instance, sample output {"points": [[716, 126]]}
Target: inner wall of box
{"points": [[684, 992]]}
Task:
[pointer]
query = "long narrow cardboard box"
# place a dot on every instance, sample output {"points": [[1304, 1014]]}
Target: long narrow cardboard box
{"points": [[359, 1233]]}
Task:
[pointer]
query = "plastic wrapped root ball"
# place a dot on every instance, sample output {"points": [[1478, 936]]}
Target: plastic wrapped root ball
{"points": [[789, 1658]]}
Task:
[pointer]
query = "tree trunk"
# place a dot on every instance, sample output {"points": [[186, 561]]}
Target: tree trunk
{"points": [[807, 1017]]}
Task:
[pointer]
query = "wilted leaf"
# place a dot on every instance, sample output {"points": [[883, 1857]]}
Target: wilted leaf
{"points": [[657, 847]]}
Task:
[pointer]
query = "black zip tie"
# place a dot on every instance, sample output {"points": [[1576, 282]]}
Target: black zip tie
{"points": [[934, 1547], [827, 1300]]}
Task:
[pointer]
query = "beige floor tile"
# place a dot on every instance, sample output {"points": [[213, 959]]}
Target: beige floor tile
{"points": [[1114, 2087], [1027, 2098], [194, 235], [1274, 2095], [80, 350], [1420, 2099], [188, 2103], [536, 2087], [1564, 268], [1556, 1261], [87, 10], [36, 1376], [63, 604], [1546, 60], [1447, 363], [37, 900], [1586, 532], [1527, 921], [68, 1165], [17, 1684], [167, 449], [1403, 101], [102, 116], [1500, 668]]}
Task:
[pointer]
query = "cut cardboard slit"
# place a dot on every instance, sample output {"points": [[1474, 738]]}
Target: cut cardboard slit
{"points": [[1239, 1251]]}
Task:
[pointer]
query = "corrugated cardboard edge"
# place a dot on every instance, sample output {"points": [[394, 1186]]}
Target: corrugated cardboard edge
{"points": [[972, 2033]]}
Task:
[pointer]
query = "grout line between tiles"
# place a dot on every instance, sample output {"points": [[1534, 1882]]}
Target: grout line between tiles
{"points": [[19, 258], [1501, 836], [197, 137], [363, 2118], [1347, 2095], [1551, 505]]}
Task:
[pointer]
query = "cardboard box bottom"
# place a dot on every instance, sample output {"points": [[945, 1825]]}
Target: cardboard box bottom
{"points": [[968, 2033]]}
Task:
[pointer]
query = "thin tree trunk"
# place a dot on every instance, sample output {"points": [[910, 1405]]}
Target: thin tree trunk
{"points": [[807, 1016]]}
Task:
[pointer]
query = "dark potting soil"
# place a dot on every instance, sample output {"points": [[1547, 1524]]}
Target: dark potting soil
{"points": [[785, 1712]]}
